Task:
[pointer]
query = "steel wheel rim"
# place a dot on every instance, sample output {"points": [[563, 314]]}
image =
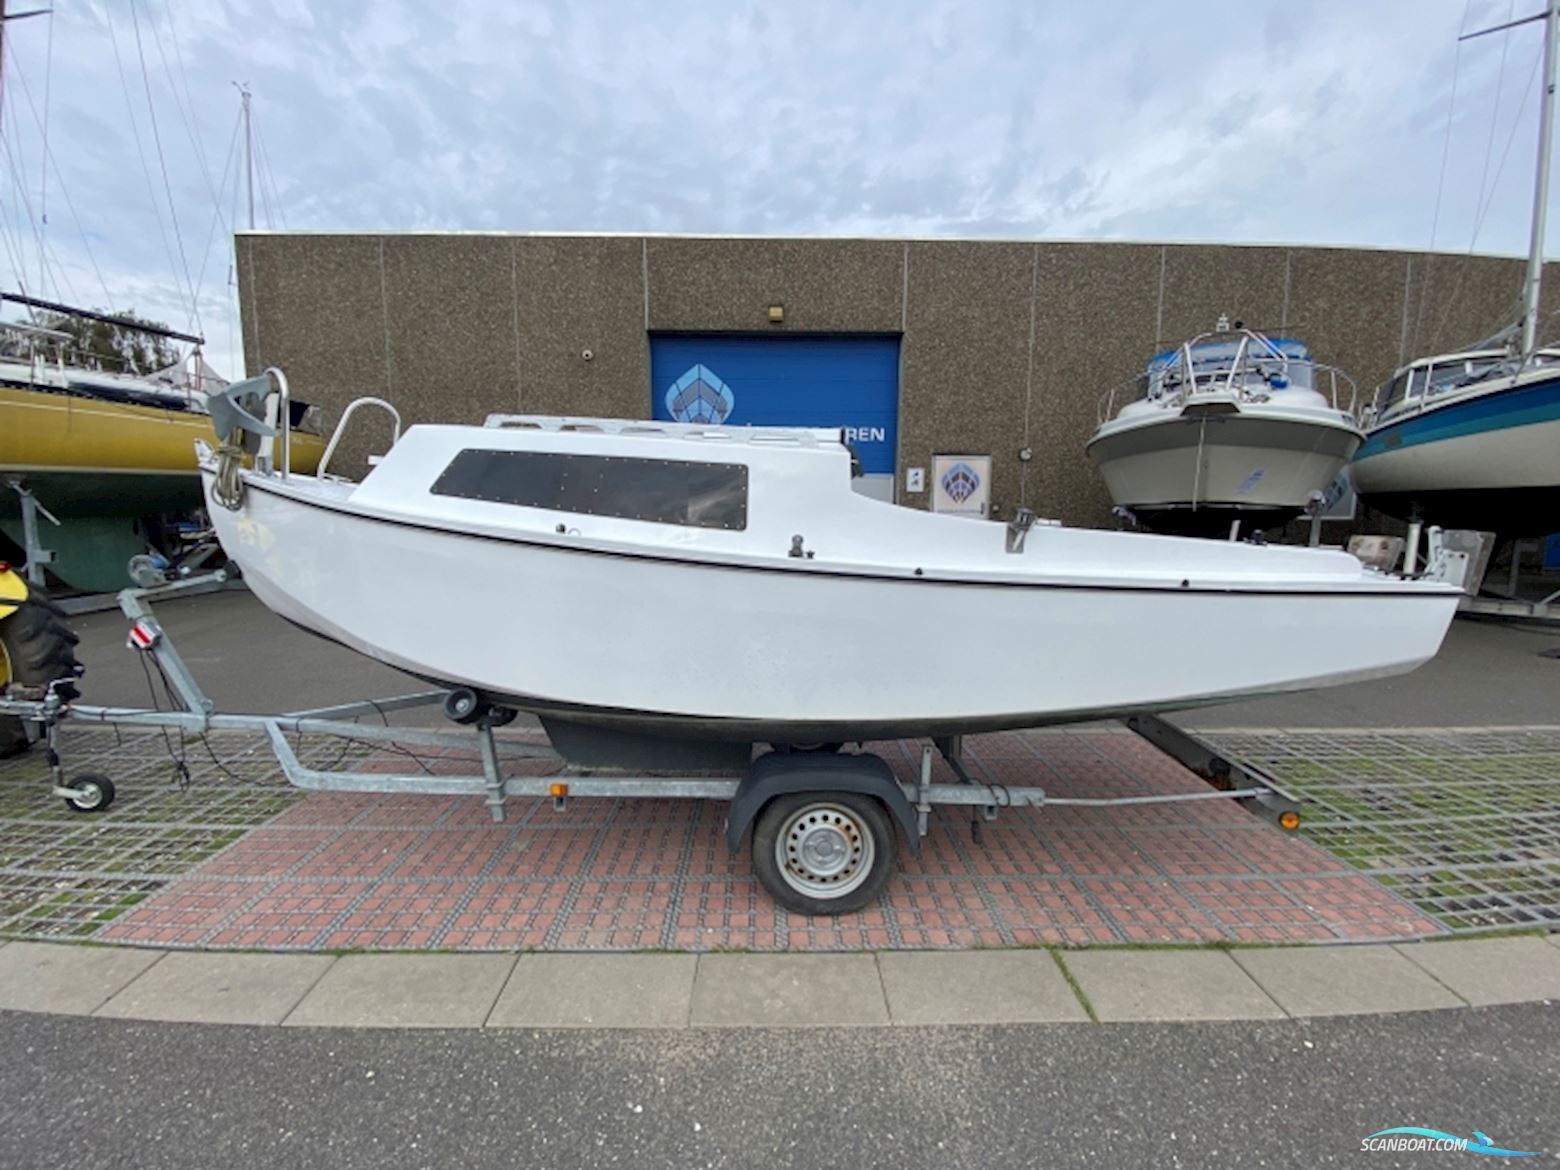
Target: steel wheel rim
{"points": [[89, 794], [825, 850]]}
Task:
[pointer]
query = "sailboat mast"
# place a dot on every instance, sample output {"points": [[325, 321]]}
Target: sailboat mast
{"points": [[249, 156], [1546, 120]]}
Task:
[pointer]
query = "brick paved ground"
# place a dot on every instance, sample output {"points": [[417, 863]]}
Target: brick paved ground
{"points": [[390, 872]]}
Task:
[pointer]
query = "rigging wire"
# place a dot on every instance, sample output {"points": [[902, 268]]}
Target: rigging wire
{"points": [[269, 176], [218, 217], [1489, 143], [140, 150], [11, 252], [1440, 186], [64, 188], [1488, 202], [232, 280], [185, 107], [267, 210], [49, 277], [184, 78], [17, 163], [1516, 124], [43, 168], [187, 116], [162, 162]]}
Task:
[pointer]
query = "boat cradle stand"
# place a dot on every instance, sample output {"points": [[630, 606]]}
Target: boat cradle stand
{"points": [[822, 823]]}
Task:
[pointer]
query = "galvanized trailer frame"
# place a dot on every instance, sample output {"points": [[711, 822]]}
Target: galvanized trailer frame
{"points": [[833, 779]]}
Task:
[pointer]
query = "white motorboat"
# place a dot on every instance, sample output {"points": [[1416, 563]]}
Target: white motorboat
{"points": [[1232, 430], [725, 583], [1472, 439]]}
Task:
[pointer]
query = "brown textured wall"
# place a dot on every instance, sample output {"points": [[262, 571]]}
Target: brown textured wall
{"points": [[1095, 318], [826, 286], [1005, 344], [964, 360], [573, 296]]}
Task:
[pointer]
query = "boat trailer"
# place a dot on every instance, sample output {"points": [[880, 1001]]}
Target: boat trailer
{"points": [[822, 821]]}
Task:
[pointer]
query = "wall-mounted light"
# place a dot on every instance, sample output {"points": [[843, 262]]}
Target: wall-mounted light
{"points": [[776, 314]]}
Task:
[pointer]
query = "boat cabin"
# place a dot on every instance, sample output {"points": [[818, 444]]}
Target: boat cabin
{"points": [[1428, 379]]}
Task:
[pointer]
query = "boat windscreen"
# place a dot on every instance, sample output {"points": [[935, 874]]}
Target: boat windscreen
{"points": [[661, 491]]}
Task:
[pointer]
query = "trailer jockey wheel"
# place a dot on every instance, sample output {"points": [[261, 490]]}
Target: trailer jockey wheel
{"points": [[464, 705], [94, 793], [823, 852]]}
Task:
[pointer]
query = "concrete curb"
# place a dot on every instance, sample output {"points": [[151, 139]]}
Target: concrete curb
{"points": [[862, 989]]}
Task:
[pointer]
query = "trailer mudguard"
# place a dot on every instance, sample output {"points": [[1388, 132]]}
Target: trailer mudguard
{"points": [[781, 773], [13, 590]]}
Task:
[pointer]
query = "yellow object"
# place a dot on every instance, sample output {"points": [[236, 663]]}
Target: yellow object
{"points": [[13, 591], [1289, 819], [44, 431]]}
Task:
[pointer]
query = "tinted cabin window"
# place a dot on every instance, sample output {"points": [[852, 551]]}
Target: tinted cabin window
{"points": [[663, 491]]}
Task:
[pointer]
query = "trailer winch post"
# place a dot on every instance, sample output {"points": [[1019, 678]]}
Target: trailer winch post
{"points": [[147, 637]]}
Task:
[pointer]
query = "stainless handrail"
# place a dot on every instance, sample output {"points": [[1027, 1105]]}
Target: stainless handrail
{"points": [[330, 448], [1179, 379], [284, 415]]}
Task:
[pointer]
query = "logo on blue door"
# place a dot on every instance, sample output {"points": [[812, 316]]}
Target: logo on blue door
{"points": [[960, 482], [699, 397]]}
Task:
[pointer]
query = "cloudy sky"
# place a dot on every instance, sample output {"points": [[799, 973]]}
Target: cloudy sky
{"points": [[1266, 120]]}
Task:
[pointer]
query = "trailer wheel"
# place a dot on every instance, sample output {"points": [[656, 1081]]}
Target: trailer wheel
{"points": [[37, 647], [823, 852], [95, 793]]}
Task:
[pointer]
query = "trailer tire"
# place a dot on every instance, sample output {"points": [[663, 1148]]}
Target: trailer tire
{"points": [[824, 852], [97, 793], [38, 647]]}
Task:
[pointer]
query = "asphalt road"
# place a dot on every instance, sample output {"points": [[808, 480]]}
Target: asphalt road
{"points": [[248, 659], [80, 1092]]}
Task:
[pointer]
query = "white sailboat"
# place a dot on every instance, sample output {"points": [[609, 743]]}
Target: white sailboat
{"points": [[726, 583], [1471, 439]]}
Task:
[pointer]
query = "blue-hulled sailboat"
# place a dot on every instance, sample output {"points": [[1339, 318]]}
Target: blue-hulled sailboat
{"points": [[1472, 439]]}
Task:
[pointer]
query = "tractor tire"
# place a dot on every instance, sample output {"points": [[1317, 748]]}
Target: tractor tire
{"points": [[38, 648]]}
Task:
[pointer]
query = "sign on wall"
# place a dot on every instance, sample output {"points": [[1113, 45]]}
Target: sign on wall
{"points": [[961, 484], [850, 382]]}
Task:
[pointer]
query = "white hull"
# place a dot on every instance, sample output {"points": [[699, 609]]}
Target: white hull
{"points": [[1482, 455], [1495, 460], [722, 634], [1234, 463]]}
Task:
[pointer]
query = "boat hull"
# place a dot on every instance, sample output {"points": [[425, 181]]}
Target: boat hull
{"points": [[673, 646], [1195, 474], [114, 447], [1491, 462], [101, 467]]}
